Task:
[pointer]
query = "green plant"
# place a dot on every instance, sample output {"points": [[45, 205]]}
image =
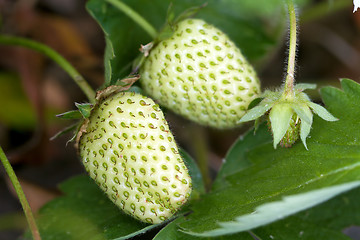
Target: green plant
{"points": [[259, 192]]}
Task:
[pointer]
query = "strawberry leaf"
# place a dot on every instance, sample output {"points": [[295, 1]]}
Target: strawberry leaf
{"points": [[281, 182], [235, 160], [196, 177], [171, 231], [327, 221]]}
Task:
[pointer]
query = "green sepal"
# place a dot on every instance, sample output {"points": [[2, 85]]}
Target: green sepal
{"points": [[304, 112], [282, 110], [84, 109], [189, 13], [280, 117], [74, 114], [255, 113], [304, 131], [170, 14], [255, 102], [136, 89], [171, 21], [64, 131], [257, 124], [322, 112]]}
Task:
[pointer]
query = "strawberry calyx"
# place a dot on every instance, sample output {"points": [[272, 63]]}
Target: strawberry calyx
{"points": [[172, 21], [83, 111], [166, 32], [289, 116]]}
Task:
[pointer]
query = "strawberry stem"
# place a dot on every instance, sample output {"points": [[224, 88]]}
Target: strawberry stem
{"points": [[290, 79], [201, 153], [49, 52], [135, 17], [20, 193]]}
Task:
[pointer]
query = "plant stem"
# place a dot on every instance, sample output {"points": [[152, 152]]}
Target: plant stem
{"points": [[135, 17], [24, 203], [201, 153], [289, 81], [49, 52]]}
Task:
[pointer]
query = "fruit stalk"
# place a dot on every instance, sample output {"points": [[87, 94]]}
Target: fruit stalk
{"points": [[201, 149], [289, 110], [135, 17], [49, 52], [289, 81], [20, 193]]}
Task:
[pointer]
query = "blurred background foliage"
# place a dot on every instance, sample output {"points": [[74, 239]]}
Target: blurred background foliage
{"points": [[34, 89]]}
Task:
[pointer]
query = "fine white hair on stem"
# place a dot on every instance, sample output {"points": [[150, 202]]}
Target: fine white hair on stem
{"points": [[292, 48]]}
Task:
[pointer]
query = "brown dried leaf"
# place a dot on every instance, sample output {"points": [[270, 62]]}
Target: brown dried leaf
{"points": [[122, 85]]}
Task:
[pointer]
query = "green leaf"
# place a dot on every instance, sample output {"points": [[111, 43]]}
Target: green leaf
{"points": [[244, 21], [109, 55], [196, 177], [235, 160], [323, 222], [172, 232], [273, 211], [286, 178]]}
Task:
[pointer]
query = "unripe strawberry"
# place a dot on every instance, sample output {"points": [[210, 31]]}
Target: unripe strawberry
{"points": [[200, 74], [127, 148], [289, 117]]}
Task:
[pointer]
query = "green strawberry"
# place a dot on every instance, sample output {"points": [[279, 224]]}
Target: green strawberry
{"points": [[200, 74], [127, 148], [289, 116]]}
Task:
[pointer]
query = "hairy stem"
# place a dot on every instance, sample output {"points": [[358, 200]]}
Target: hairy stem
{"points": [[49, 52], [135, 17], [289, 81], [24, 203]]}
